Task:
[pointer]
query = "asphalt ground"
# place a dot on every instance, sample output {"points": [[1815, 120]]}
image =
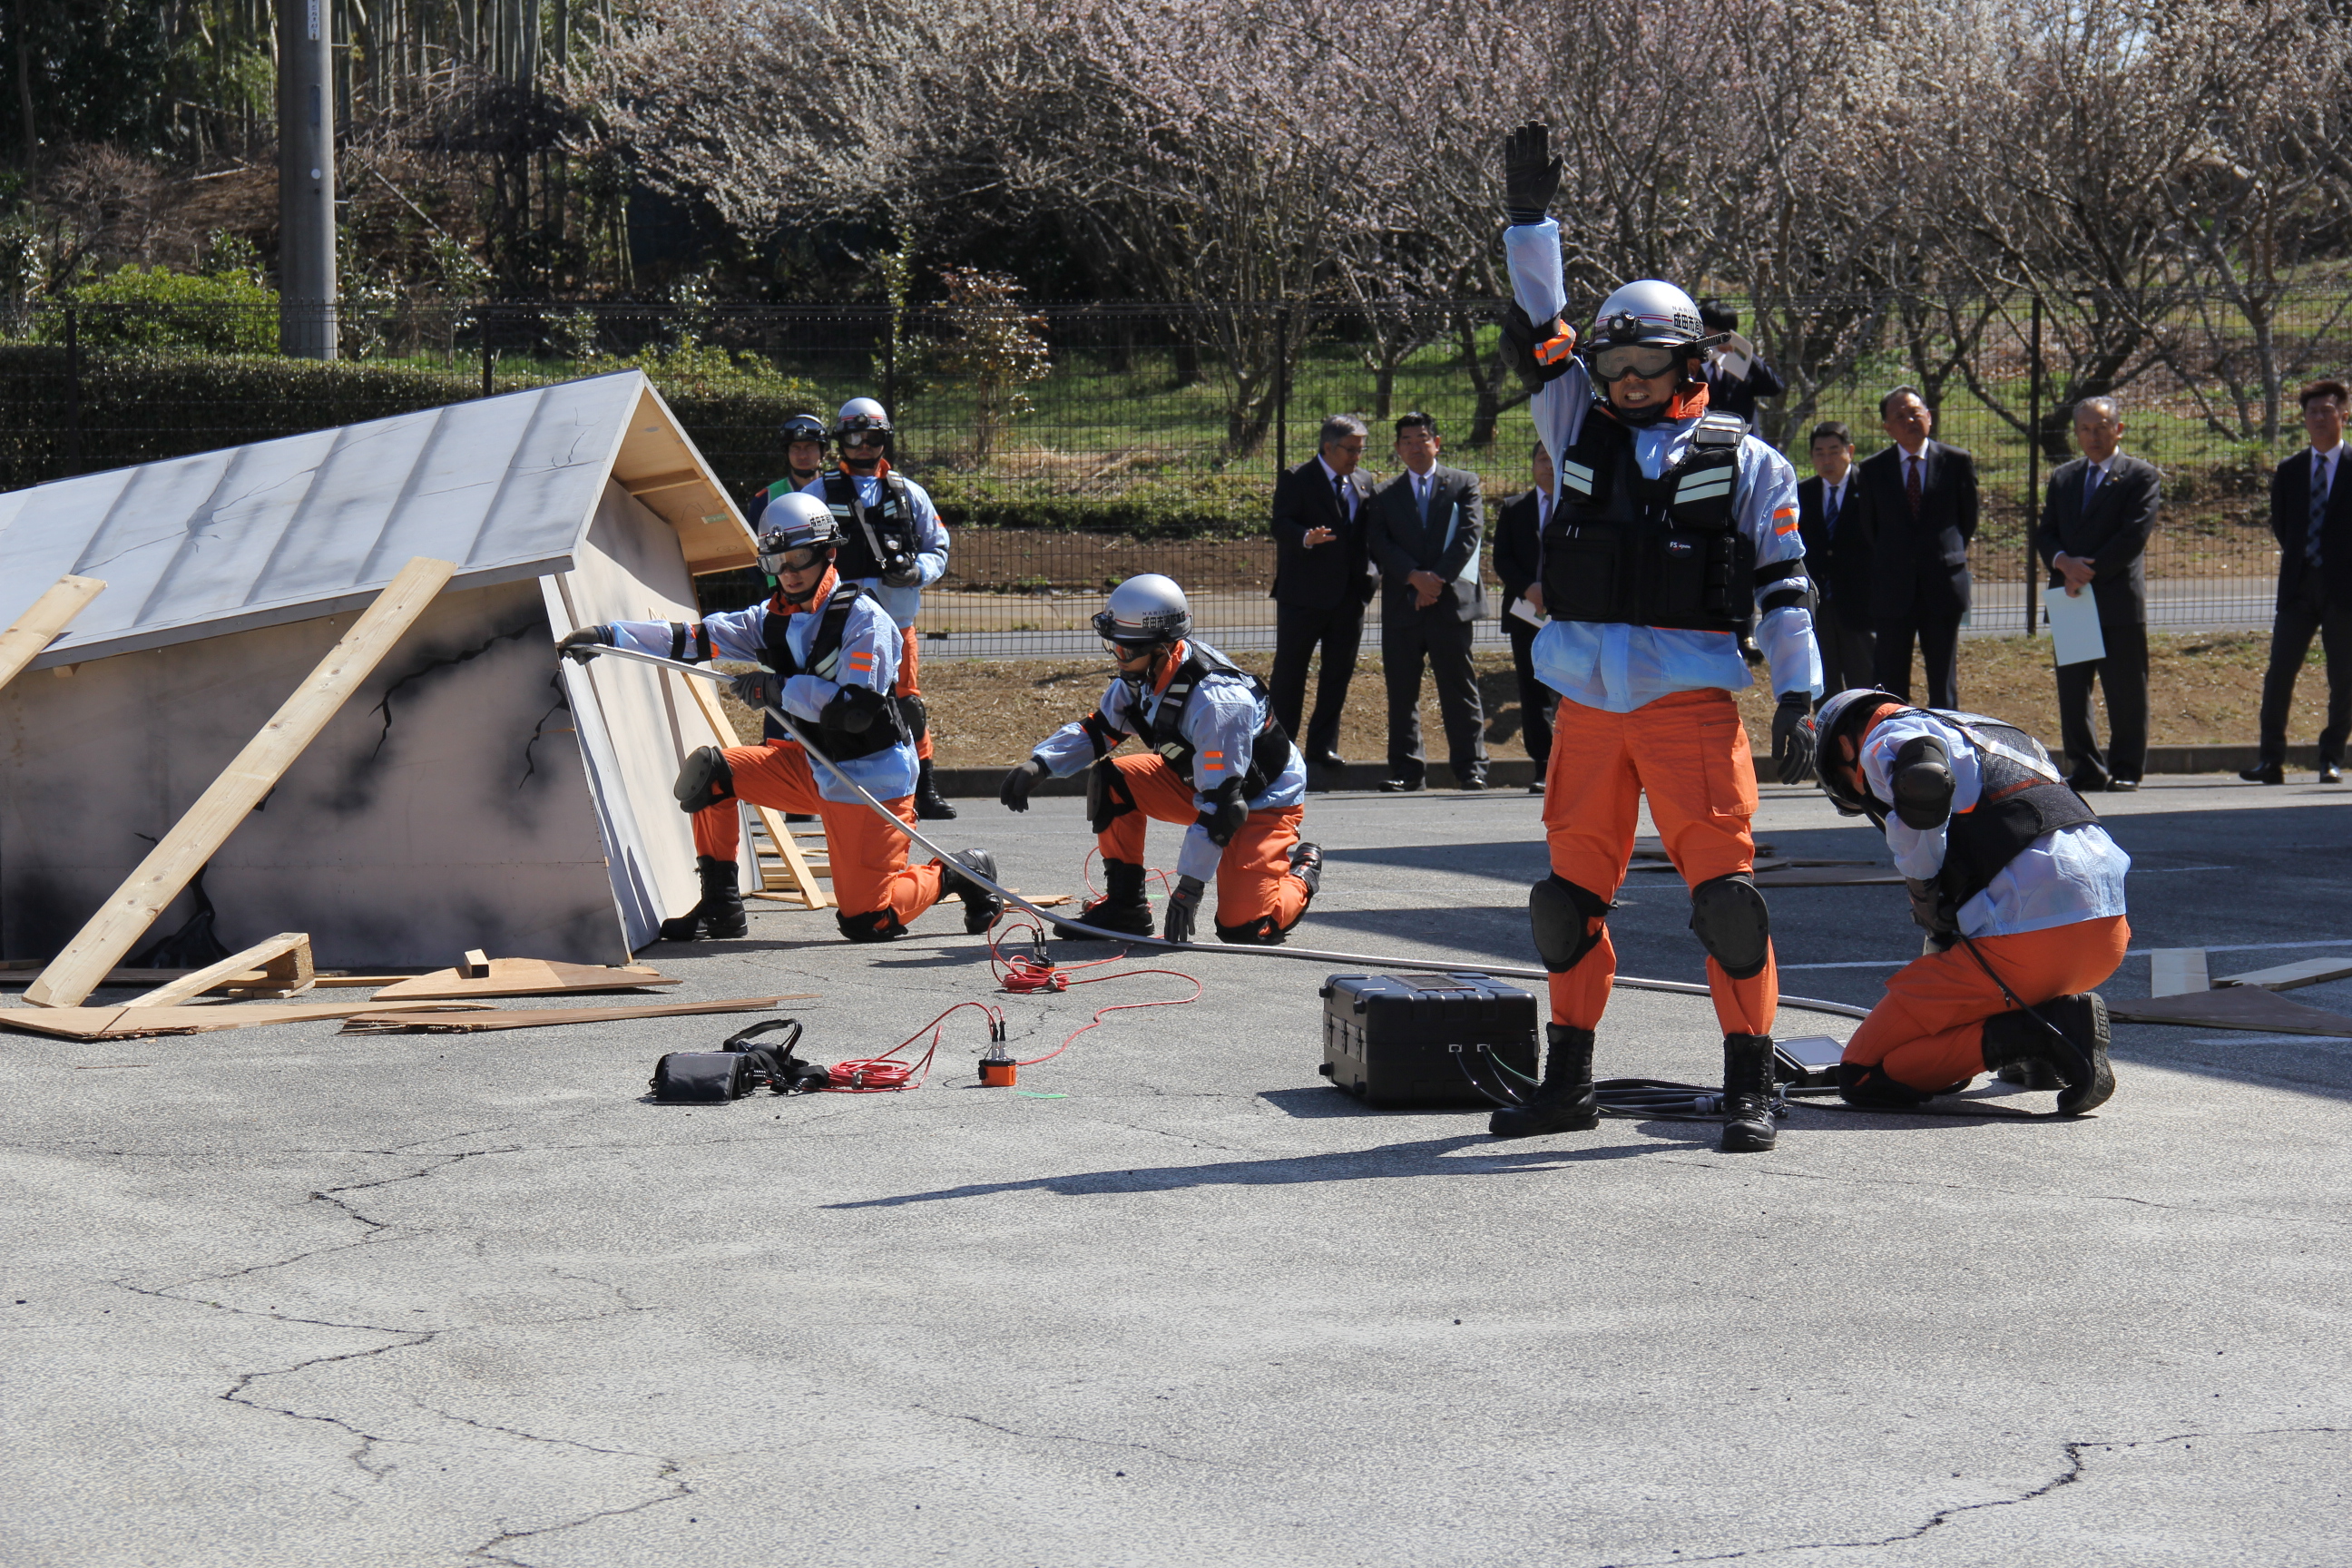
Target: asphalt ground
{"points": [[282, 1296]]}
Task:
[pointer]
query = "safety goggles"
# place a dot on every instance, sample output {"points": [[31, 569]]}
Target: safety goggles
{"points": [[1620, 360], [853, 439], [1140, 653], [805, 559]]}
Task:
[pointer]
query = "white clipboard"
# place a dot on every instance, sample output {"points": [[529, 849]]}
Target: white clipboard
{"points": [[2074, 625]]}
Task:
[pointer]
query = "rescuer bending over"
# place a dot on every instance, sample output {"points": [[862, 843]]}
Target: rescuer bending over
{"points": [[830, 657], [1670, 524], [1218, 762], [2020, 891]]}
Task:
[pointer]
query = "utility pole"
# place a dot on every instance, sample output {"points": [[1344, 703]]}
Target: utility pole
{"points": [[306, 180]]}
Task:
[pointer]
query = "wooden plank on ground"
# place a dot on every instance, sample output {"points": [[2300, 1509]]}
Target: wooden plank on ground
{"points": [[48, 615], [521, 977], [284, 962], [2177, 972], [548, 1017], [2237, 1007], [128, 1022], [799, 877], [2287, 976], [74, 973]]}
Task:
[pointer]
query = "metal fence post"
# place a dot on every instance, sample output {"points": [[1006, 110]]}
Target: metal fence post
{"points": [[487, 358], [1282, 393], [890, 365], [2033, 465], [73, 392]]}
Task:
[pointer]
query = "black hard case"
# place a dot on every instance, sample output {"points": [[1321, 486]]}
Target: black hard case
{"points": [[1388, 1039]]}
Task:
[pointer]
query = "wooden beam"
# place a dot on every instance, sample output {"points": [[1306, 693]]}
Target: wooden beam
{"points": [[522, 977], [288, 951], [198, 835], [374, 1022], [678, 480], [38, 626]]}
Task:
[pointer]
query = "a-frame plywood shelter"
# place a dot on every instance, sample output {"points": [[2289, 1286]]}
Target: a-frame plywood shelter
{"points": [[478, 791]]}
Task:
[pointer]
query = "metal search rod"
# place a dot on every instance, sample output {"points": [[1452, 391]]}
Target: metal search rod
{"points": [[1062, 923]]}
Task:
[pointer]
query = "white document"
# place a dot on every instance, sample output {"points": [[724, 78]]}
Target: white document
{"points": [[2074, 625], [1527, 612]]}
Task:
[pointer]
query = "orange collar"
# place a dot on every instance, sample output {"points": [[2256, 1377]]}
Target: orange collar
{"points": [[1175, 663], [824, 587], [881, 467]]}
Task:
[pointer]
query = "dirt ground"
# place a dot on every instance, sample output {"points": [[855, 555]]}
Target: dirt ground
{"points": [[2202, 688]]}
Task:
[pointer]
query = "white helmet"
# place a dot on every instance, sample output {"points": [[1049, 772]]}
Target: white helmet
{"points": [[794, 521], [1145, 610], [1646, 312], [861, 413]]}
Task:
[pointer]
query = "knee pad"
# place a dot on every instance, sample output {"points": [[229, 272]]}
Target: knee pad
{"points": [[704, 780], [1869, 1087], [1259, 933], [880, 925], [1563, 916], [917, 716], [1729, 917], [1107, 798]]}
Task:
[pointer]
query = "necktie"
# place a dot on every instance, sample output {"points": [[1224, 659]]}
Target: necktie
{"points": [[1340, 494], [2091, 481], [1911, 482], [2319, 467], [1830, 493], [1420, 494]]}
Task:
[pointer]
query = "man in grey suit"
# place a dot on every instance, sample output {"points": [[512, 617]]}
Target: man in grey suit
{"points": [[1425, 529], [2095, 522]]}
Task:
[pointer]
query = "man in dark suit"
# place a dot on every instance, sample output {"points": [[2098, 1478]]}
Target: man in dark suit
{"points": [[1835, 522], [1322, 581], [1923, 506], [1736, 375], [1518, 562], [1423, 529], [2095, 522], [2311, 513]]}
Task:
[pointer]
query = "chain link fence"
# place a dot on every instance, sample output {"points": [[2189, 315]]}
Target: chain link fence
{"points": [[1072, 446]]}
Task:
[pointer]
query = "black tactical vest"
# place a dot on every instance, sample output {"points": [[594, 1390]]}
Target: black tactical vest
{"points": [[2022, 797], [1666, 551], [823, 661], [1164, 730], [874, 540]]}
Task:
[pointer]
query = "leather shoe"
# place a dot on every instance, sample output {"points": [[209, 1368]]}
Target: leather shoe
{"points": [[1326, 759], [1401, 786], [2089, 783], [1536, 788], [1474, 782], [2330, 773], [2265, 773], [2122, 786]]}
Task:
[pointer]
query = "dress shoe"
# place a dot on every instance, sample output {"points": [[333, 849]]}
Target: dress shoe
{"points": [[1474, 782], [2088, 784], [1402, 786], [1326, 759], [2122, 786], [2330, 773], [1536, 788], [2265, 773]]}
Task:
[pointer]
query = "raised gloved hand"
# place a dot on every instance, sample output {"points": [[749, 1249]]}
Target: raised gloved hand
{"points": [[1183, 908], [1224, 818], [1019, 783], [1934, 911], [753, 690], [1792, 738], [1530, 173], [580, 646]]}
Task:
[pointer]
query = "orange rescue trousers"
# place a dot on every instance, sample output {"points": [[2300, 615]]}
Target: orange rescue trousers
{"points": [[1927, 1032], [1258, 896], [909, 662], [1688, 752], [878, 892]]}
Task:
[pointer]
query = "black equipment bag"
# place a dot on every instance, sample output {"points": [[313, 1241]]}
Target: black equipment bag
{"points": [[1393, 1039], [737, 1068]]}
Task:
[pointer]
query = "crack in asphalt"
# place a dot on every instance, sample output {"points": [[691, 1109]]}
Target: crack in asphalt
{"points": [[669, 1471], [2078, 1458], [1063, 1436]]}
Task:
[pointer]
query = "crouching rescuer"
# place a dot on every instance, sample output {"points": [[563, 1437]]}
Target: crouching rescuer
{"points": [[829, 658], [1217, 760], [2019, 887], [1670, 524]]}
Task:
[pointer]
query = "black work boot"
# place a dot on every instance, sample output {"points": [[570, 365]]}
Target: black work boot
{"points": [[721, 912], [2031, 1075], [1307, 865], [1747, 1093], [980, 907], [2077, 1052], [1122, 907], [930, 806], [1564, 1103]]}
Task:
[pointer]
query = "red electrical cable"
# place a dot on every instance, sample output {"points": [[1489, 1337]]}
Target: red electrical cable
{"points": [[1101, 1013], [886, 1073], [1026, 974]]}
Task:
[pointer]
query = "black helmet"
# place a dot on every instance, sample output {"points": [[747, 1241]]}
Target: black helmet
{"points": [[1845, 716], [802, 427]]}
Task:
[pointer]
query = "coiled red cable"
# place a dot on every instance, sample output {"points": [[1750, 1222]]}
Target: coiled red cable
{"points": [[888, 1073]]}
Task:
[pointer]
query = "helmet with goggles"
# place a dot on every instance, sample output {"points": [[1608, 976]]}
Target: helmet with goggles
{"points": [[802, 427], [796, 533], [861, 417], [1647, 328], [1144, 611], [1845, 717]]}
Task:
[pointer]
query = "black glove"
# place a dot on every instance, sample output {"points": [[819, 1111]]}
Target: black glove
{"points": [[1932, 910], [1224, 818], [1530, 173], [908, 575], [1183, 907], [1019, 783], [752, 691], [1792, 738], [1522, 337], [581, 646]]}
